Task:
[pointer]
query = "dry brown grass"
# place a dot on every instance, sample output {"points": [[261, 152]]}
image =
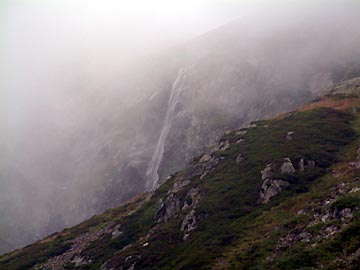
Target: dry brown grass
{"points": [[341, 104]]}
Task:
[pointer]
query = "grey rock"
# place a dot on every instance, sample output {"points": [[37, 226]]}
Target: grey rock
{"points": [[346, 213], [225, 146], [203, 169], [331, 230], [289, 135], [287, 167], [78, 260], [192, 198], [355, 189], [311, 164], [342, 214], [271, 188], [267, 172], [291, 238], [301, 165], [178, 186], [205, 158], [347, 87], [168, 208], [305, 237], [239, 158], [221, 146], [189, 224], [203, 175], [354, 164], [301, 212], [240, 132], [116, 231]]}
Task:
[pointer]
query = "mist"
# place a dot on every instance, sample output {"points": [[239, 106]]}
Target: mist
{"points": [[85, 85]]}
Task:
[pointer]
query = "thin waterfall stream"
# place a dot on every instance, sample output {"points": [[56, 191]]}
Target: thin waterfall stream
{"points": [[153, 167]]}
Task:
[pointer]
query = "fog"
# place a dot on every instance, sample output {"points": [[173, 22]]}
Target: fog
{"points": [[84, 85]]}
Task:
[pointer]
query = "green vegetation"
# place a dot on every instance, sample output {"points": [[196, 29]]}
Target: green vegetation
{"points": [[34, 254], [350, 202]]}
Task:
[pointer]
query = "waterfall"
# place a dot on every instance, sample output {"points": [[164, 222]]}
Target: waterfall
{"points": [[153, 167]]}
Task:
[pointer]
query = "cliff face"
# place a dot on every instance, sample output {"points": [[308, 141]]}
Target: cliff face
{"points": [[281, 193]]}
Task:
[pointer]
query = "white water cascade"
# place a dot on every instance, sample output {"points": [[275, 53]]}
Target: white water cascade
{"points": [[153, 167]]}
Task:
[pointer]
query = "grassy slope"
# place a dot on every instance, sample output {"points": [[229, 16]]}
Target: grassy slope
{"points": [[256, 248], [234, 231]]}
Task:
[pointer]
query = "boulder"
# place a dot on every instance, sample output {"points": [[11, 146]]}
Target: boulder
{"points": [[270, 188], [287, 167]]}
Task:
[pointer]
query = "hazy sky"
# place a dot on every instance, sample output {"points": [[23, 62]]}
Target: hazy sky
{"points": [[46, 45]]}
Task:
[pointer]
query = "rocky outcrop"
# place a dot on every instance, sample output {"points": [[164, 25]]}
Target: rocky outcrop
{"points": [[206, 165], [172, 205], [342, 214], [205, 158], [73, 254], [291, 238], [322, 214], [167, 208], [347, 87], [174, 202], [190, 221], [272, 175], [267, 173], [287, 167], [241, 132], [189, 224], [178, 186], [221, 146], [192, 198], [116, 231], [270, 188]]}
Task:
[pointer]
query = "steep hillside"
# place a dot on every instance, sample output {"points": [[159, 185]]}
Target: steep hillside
{"points": [[87, 147], [283, 193]]}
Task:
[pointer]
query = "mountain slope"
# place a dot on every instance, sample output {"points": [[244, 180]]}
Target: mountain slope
{"points": [[91, 146], [283, 193]]}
